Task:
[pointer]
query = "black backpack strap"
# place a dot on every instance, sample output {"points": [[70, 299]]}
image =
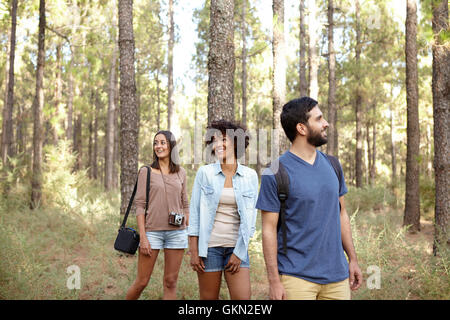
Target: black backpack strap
{"points": [[337, 168], [282, 179], [133, 194]]}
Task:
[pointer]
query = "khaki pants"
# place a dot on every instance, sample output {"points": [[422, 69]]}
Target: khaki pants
{"points": [[299, 289]]}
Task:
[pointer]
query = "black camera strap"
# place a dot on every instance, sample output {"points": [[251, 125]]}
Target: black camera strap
{"points": [[165, 190], [130, 203]]}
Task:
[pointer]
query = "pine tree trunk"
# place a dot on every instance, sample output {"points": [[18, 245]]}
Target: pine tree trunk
{"points": [[110, 127], [412, 200], [170, 103], [4, 151], [158, 101], [358, 103], [369, 150], [332, 109], [244, 63], [116, 162], [221, 61], [58, 92], [128, 110], [8, 136], [69, 127], [95, 152], [302, 36], [393, 151], [373, 168], [38, 105], [314, 29], [20, 129], [78, 140], [441, 107], [90, 147], [279, 73]]}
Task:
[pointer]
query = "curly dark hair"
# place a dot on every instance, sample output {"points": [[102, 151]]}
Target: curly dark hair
{"points": [[234, 130]]}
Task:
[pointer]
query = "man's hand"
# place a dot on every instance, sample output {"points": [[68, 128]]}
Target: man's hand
{"points": [[355, 276], [276, 291]]}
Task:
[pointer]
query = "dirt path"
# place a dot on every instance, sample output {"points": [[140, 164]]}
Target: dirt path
{"points": [[423, 239]]}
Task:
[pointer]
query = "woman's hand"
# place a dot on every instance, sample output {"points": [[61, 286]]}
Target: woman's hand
{"points": [[233, 264], [197, 263], [145, 247]]}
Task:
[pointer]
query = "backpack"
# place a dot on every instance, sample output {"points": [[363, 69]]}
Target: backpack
{"points": [[282, 180]]}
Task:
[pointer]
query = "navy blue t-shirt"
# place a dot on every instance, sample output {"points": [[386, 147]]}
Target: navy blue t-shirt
{"points": [[313, 228]]}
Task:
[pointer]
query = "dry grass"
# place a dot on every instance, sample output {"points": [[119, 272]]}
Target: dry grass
{"points": [[78, 227]]}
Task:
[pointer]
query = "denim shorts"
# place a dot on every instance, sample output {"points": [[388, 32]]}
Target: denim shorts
{"points": [[218, 258], [168, 239]]}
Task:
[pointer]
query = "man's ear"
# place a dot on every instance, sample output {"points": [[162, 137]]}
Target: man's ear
{"points": [[301, 129]]}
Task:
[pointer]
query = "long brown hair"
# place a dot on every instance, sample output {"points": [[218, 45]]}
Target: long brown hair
{"points": [[173, 166]]}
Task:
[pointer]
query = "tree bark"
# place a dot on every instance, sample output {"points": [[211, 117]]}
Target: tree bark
{"points": [[158, 101], [369, 149], [20, 129], [358, 103], [373, 168], [69, 127], [78, 140], [221, 61], [279, 73], [38, 104], [441, 107], [116, 161], [90, 147], [128, 109], [332, 109], [170, 104], [412, 199], [393, 151], [8, 136], [3, 150], [302, 36], [314, 29], [244, 63], [58, 92], [95, 151], [110, 125]]}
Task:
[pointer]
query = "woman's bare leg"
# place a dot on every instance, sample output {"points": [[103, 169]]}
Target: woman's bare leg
{"points": [[172, 263], [145, 269], [209, 285], [239, 284]]}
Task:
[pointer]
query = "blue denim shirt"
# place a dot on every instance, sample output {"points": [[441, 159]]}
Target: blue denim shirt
{"points": [[208, 186]]}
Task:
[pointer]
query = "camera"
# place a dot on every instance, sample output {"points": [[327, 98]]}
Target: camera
{"points": [[176, 219]]}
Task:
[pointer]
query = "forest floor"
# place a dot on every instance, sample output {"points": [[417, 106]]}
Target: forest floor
{"points": [[39, 251]]}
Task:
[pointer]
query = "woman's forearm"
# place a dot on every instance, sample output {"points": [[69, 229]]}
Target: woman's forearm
{"points": [[141, 223]]}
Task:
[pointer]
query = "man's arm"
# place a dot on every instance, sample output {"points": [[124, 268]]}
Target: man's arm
{"points": [[270, 250], [355, 274]]}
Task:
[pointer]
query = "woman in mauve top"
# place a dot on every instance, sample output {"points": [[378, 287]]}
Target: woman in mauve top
{"points": [[167, 194], [223, 215]]}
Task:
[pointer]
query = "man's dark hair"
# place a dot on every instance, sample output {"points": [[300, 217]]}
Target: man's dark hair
{"points": [[235, 131], [294, 112]]}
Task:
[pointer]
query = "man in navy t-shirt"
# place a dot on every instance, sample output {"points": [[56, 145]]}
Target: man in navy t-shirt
{"points": [[317, 224]]}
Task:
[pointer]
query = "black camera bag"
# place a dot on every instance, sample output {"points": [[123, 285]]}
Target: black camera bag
{"points": [[127, 240]]}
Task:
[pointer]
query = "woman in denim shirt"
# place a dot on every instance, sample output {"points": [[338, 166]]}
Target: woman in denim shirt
{"points": [[223, 215]]}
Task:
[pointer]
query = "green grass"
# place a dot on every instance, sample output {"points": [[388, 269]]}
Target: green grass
{"points": [[77, 225]]}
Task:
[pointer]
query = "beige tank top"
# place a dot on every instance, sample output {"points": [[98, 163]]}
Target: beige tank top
{"points": [[226, 223]]}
